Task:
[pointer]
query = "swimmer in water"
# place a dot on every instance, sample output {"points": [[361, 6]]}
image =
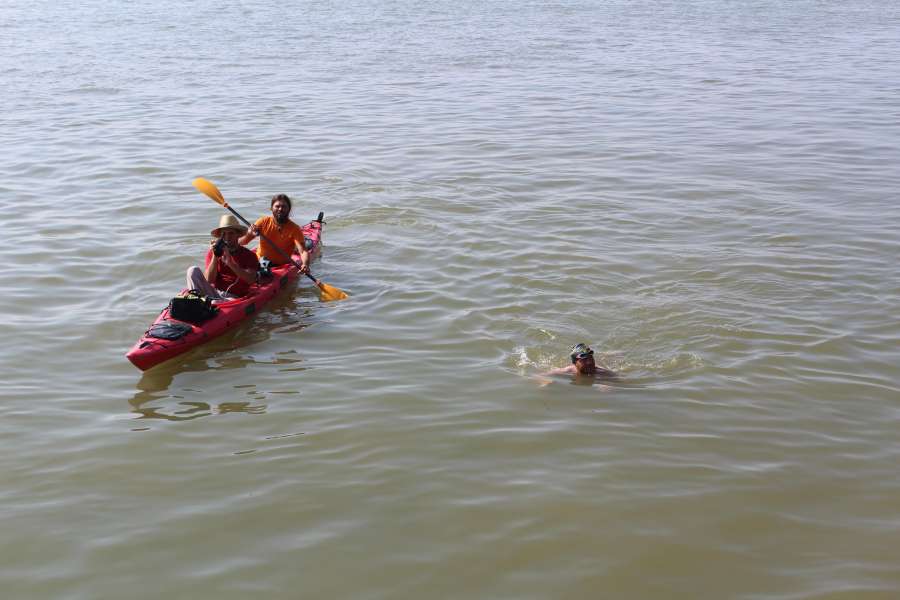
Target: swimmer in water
{"points": [[583, 365]]}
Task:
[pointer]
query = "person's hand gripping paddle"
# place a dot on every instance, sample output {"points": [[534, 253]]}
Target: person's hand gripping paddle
{"points": [[328, 293]]}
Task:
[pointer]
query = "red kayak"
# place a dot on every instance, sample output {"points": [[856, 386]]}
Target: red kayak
{"points": [[168, 338]]}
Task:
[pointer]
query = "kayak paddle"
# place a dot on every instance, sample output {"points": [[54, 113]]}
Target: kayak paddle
{"points": [[328, 293]]}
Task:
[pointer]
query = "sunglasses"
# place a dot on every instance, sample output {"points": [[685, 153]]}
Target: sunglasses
{"points": [[584, 353]]}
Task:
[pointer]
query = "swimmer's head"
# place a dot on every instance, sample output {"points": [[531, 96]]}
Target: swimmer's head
{"points": [[580, 351]]}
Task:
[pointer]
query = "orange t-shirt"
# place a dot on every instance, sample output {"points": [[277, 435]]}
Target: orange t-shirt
{"points": [[285, 237]]}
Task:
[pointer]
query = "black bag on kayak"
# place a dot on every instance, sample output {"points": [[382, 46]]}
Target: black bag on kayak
{"points": [[169, 330], [192, 306]]}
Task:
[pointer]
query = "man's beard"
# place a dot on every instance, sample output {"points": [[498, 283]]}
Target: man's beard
{"points": [[281, 220]]}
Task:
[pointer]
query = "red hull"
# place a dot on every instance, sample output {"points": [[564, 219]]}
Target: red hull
{"points": [[149, 352]]}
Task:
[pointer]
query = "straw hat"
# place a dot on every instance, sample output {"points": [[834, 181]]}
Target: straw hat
{"points": [[228, 222]]}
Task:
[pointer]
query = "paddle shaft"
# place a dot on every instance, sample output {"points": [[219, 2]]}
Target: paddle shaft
{"points": [[271, 243]]}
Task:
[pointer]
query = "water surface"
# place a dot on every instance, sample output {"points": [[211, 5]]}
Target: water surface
{"points": [[708, 187]]}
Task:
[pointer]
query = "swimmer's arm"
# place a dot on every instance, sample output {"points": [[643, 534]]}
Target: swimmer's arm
{"points": [[608, 375], [544, 382], [570, 370]]}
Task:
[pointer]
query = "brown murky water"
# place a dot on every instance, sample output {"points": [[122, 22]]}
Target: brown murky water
{"points": [[707, 187]]}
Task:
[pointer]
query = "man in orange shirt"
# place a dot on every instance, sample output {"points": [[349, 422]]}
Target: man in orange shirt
{"points": [[286, 234]]}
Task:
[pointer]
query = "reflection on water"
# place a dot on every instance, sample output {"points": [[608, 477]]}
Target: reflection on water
{"points": [[156, 381], [195, 410], [191, 410]]}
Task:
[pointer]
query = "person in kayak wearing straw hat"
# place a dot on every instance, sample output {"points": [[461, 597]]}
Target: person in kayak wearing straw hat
{"points": [[230, 269], [286, 234]]}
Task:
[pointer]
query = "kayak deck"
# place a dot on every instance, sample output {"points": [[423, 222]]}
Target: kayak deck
{"points": [[151, 351]]}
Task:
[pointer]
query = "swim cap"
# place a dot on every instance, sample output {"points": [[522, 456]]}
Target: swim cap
{"points": [[576, 349]]}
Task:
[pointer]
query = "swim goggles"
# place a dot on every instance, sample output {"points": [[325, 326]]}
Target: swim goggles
{"points": [[583, 353]]}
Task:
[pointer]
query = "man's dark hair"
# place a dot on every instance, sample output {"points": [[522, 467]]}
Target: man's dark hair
{"points": [[284, 198]]}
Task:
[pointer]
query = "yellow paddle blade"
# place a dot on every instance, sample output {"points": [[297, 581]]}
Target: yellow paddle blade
{"points": [[210, 190], [330, 294]]}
